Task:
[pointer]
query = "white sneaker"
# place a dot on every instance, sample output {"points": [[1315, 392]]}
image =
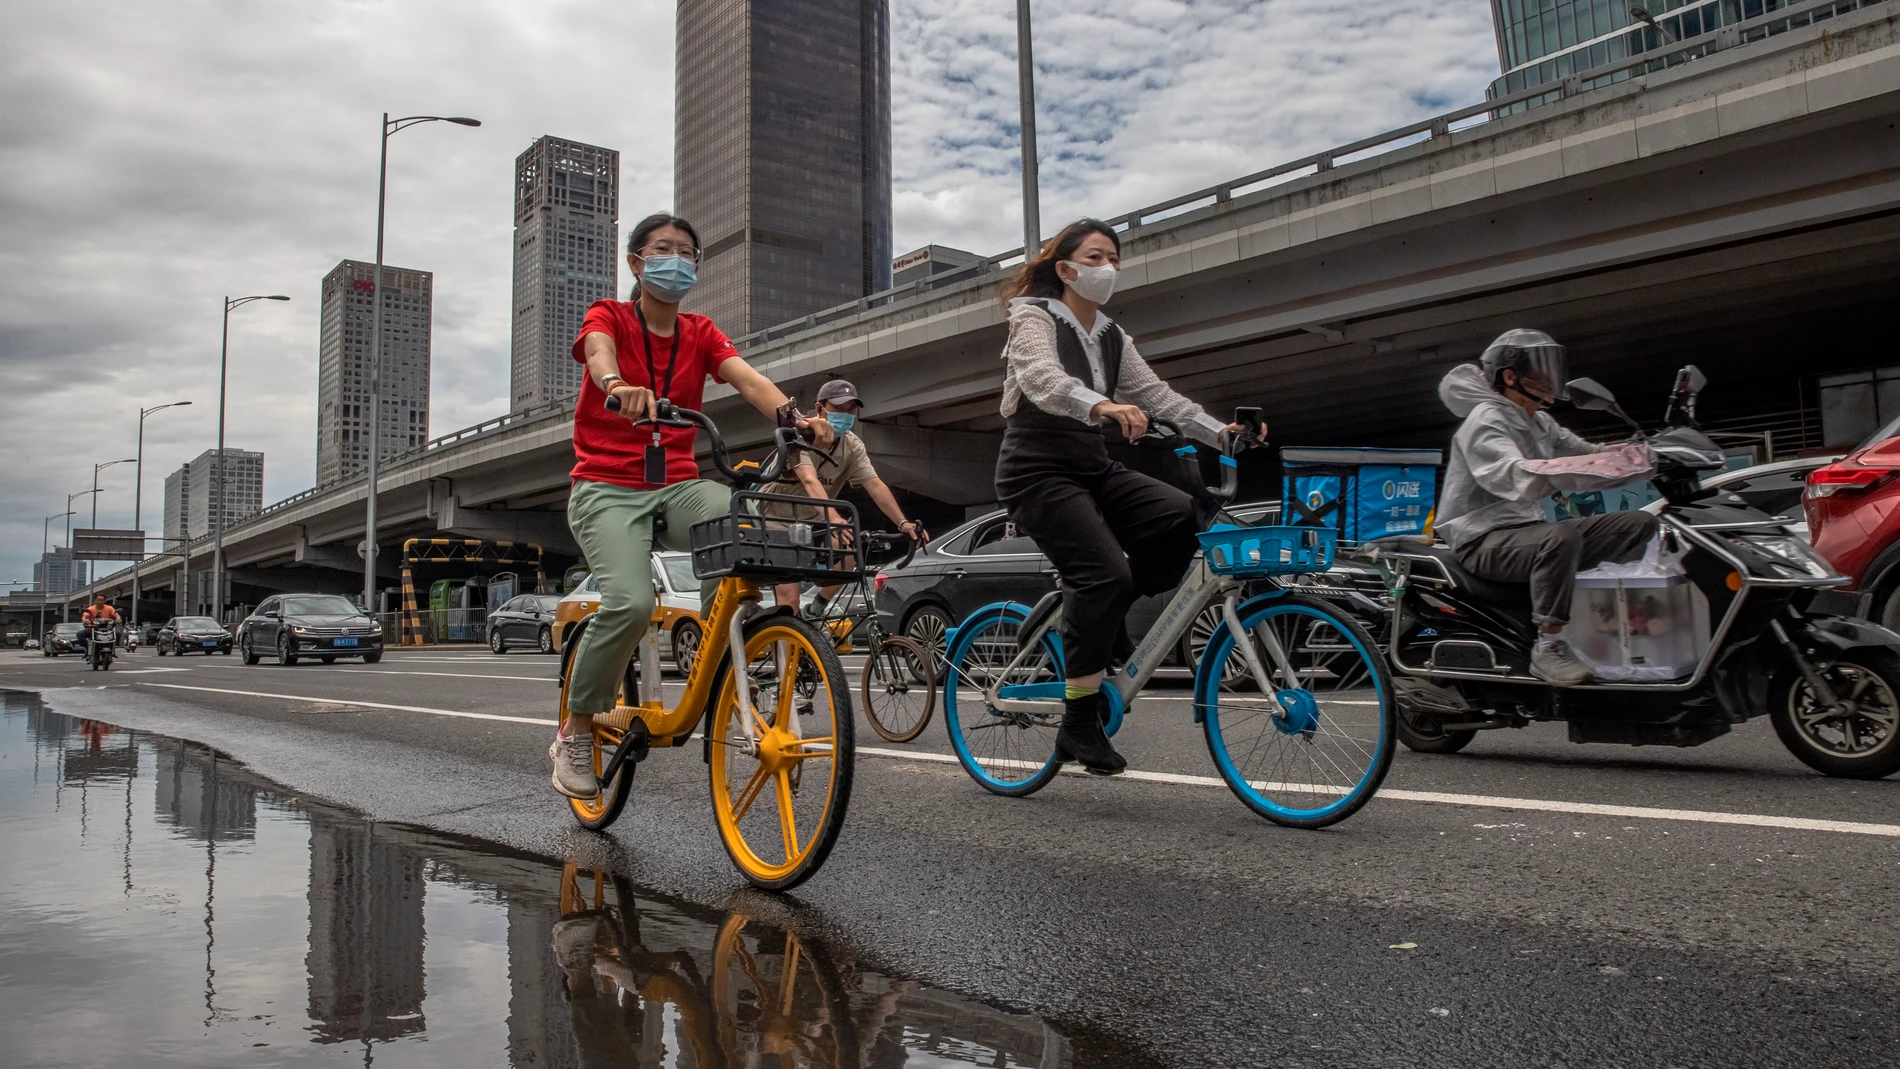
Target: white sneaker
{"points": [[574, 766], [1559, 665]]}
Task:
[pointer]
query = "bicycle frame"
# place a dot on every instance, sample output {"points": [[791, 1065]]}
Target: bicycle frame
{"points": [[1201, 589]]}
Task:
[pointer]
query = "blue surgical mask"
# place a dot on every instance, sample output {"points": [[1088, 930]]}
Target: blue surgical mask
{"points": [[668, 277], [842, 422]]}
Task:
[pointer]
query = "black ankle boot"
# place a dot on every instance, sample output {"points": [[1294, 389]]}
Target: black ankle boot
{"points": [[1081, 739]]}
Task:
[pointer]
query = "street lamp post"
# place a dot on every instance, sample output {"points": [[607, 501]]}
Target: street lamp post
{"points": [[1026, 90], [66, 602], [390, 126], [1641, 14], [138, 499], [91, 574], [46, 569], [216, 496]]}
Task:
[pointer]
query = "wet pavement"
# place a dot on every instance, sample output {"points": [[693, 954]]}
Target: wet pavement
{"points": [[164, 904]]}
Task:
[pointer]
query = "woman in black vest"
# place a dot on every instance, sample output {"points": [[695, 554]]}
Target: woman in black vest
{"points": [[1114, 534]]}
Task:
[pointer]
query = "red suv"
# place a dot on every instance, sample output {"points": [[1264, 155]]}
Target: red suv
{"points": [[1853, 508]]}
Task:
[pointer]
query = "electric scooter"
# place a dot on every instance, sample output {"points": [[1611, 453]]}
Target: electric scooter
{"points": [[1459, 646]]}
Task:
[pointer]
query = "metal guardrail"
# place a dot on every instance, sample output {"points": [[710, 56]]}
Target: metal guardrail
{"points": [[1743, 32], [1690, 48]]}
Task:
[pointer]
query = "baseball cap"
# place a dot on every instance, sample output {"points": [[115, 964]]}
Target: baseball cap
{"points": [[839, 392]]}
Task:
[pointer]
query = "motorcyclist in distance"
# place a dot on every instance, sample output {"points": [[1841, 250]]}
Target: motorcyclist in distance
{"points": [[100, 609], [1498, 475]]}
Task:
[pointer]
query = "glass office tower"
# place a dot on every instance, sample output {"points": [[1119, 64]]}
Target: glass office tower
{"points": [[1543, 42], [783, 155]]}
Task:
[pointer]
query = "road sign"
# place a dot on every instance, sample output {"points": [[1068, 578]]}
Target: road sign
{"points": [[105, 543]]}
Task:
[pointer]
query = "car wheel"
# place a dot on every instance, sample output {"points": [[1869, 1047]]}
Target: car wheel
{"points": [[161, 651], [250, 654], [545, 640], [372, 658], [284, 656], [496, 644], [685, 646], [927, 627], [225, 652]]}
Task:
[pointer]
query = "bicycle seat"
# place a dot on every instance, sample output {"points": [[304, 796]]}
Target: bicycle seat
{"points": [[1515, 596]]}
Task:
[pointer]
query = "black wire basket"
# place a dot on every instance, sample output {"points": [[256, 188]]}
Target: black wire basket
{"points": [[778, 537]]}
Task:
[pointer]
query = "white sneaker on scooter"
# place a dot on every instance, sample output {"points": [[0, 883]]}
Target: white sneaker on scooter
{"points": [[1557, 664]]}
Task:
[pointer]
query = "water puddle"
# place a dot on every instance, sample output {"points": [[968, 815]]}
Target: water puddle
{"points": [[165, 905]]}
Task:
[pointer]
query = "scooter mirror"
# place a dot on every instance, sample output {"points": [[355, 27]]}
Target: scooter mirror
{"points": [[1692, 377], [1592, 395]]}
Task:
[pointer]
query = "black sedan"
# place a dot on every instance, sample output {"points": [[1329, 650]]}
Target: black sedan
{"points": [[985, 561], [64, 638], [324, 626], [524, 621], [192, 634]]}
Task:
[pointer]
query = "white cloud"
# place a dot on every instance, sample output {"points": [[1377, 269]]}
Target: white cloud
{"points": [[159, 156]]}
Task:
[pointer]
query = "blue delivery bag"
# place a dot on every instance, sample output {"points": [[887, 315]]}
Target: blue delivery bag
{"points": [[1362, 494]]}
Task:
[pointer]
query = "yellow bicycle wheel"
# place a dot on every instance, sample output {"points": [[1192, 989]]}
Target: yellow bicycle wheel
{"points": [[781, 776], [596, 813]]}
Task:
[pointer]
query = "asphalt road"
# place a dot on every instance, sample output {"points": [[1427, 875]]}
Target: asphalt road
{"points": [[1733, 908]]}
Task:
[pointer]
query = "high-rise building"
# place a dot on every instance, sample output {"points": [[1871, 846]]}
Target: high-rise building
{"points": [[1543, 42], [343, 378], [55, 572], [188, 508], [782, 158], [930, 260], [567, 210], [177, 506]]}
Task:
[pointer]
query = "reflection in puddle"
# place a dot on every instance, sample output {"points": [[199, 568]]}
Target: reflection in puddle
{"points": [[163, 904]]}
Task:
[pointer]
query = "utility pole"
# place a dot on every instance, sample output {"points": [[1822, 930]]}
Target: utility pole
{"points": [[1026, 82]]}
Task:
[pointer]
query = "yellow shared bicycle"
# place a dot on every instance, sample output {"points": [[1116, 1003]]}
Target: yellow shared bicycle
{"points": [[779, 754]]}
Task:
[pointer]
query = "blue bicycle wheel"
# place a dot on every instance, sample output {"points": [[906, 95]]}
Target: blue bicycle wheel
{"points": [[1308, 755], [1008, 753]]}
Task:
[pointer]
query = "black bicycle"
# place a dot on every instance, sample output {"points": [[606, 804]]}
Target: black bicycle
{"points": [[898, 683]]}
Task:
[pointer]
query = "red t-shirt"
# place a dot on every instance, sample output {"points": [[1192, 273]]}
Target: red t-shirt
{"points": [[610, 449]]}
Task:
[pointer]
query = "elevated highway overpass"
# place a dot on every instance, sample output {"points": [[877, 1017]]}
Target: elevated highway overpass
{"points": [[1741, 211]]}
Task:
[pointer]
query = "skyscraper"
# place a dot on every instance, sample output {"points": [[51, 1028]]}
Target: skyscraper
{"points": [[783, 154], [55, 572], [188, 506], [567, 210], [1543, 42], [343, 366]]}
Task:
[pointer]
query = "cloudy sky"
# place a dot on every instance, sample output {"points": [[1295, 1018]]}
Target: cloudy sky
{"points": [[155, 157]]}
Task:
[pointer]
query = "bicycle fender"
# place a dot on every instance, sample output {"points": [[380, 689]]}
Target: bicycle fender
{"points": [[1260, 600], [950, 633]]}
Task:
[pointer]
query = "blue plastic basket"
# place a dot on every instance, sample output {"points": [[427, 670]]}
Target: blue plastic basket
{"points": [[1233, 550]]}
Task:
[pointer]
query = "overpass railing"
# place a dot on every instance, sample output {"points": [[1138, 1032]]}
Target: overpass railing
{"points": [[1787, 16]]}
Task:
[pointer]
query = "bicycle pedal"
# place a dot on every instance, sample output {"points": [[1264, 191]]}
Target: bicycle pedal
{"points": [[640, 739]]}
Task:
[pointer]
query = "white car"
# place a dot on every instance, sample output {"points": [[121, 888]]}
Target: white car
{"points": [[678, 591]]}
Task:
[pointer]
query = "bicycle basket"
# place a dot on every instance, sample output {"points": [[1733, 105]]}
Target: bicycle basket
{"points": [[1253, 551], [777, 537]]}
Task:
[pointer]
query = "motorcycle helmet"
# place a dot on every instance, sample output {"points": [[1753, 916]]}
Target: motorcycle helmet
{"points": [[1532, 354]]}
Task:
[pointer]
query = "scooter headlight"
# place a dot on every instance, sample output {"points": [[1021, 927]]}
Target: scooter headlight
{"points": [[1790, 554]]}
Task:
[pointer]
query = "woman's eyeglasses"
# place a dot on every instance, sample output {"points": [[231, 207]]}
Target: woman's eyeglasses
{"points": [[667, 248]]}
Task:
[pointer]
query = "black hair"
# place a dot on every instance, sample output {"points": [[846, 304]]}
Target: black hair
{"points": [[644, 229], [1038, 278]]}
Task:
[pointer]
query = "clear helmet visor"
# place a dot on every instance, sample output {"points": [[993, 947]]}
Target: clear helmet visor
{"points": [[1545, 370]]}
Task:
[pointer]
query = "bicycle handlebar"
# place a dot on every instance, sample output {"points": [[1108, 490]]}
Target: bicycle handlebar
{"points": [[881, 538], [1232, 445], [788, 439]]}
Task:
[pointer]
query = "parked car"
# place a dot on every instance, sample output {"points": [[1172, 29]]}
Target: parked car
{"points": [[192, 634], [985, 560], [527, 620], [324, 626], [1853, 512], [64, 638]]}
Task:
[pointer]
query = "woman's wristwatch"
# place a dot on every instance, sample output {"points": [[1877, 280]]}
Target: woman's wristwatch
{"points": [[609, 381]]}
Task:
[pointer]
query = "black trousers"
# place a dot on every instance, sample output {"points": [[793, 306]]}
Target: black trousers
{"points": [[1113, 534], [1549, 555]]}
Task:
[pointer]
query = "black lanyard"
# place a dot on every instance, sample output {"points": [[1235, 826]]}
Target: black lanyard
{"points": [[673, 361]]}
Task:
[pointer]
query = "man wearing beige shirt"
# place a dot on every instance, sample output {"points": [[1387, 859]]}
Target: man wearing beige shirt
{"points": [[839, 404]]}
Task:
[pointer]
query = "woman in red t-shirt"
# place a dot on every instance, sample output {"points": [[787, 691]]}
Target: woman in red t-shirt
{"points": [[628, 473]]}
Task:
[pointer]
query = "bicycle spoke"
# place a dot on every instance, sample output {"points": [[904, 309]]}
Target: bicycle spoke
{"points": [[787, 821], [743, 804]]}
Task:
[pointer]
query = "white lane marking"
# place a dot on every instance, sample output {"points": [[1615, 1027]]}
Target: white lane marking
{"points": [[1695, 816], [147, 671], [1483, 801], [450, 675], [541, 721]]}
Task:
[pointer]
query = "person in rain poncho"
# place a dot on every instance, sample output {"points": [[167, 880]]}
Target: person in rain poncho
{"points": [[1505, 459]]}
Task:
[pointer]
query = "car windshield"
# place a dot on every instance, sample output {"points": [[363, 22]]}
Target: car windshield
{"points": [[547, 601], [320, 605], [68, 629], [1891, 430], [679, 572], [198, 623]]}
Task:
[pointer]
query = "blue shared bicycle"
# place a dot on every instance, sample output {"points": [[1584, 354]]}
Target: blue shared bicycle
{"points": [[1293, 696]]}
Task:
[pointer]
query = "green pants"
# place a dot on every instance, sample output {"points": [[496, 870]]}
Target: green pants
{"points": [[614, 526]]}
